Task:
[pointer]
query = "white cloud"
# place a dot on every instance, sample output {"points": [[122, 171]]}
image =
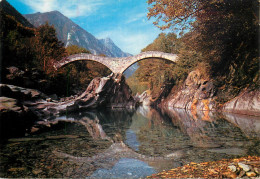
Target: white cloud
{"points": [[136, 17], [70, 8]]}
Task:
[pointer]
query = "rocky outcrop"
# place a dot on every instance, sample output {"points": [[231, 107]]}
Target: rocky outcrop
{"points": [[197, 93], [16, 115], [247, 102], [144, 99], [32, 78], [21, 107], [15, 118], [21, 93], [111, 91]]}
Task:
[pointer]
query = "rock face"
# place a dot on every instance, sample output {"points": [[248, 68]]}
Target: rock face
{"points": [[32, 78], [17, 114], [20, 93], [111, 91], [117, 52], [21, 107], [248, 102], [15, 118], [196, 94]]}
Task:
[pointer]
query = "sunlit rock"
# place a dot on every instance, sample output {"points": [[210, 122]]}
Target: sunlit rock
{"points": [[247, 102], [196, 94]]}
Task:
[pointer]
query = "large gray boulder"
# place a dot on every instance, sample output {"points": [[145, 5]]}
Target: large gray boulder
{"points": [[106, 92], [15, 118], [197, 93], [247, 102]]}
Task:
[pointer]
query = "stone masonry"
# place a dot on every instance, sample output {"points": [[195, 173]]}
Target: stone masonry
{"points": [[116, 65]]}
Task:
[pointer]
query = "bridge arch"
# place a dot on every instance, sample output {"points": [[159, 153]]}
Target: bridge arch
{"points": [[116, 65]]}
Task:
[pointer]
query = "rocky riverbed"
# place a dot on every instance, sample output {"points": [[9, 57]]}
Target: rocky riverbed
{"points": [[233, 168]]}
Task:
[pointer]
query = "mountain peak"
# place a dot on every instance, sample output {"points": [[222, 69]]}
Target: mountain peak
{"points": [[107, 42], [108, 39], [55, 12], [72, 34]]}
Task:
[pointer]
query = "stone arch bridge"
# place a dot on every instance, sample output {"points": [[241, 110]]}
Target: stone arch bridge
{"points": [[116, 65]]}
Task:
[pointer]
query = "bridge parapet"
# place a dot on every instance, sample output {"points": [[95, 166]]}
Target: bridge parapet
{"points": [[116, 65]]}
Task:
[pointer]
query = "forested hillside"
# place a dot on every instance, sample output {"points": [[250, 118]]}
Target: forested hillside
{"points": [[219, 38], [33, 51]]}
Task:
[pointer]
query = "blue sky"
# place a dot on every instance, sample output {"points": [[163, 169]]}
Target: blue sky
{"points": [[124, 21]]}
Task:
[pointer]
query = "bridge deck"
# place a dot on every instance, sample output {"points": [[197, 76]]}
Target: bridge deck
{"points": [[116, 65]]}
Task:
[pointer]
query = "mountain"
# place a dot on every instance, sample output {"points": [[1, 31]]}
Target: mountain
{"points": [[72, 34], [117, 52], [10, 10], [131, 70]]}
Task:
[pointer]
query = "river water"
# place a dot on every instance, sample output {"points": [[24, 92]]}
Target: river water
{"points": [[127, 144]]}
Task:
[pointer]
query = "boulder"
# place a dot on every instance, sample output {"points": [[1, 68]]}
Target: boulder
{"points": [[197, 93], [111, 91], [247, 102], [9, 104], [144, 99], [14, 72], [15, 119], [20, 93], [20, 107]]}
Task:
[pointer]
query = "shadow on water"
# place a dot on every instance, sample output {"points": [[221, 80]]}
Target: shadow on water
{"points": [[126, 143]]}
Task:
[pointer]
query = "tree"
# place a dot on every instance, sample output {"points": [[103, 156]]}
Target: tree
{"points": [[48, 48], [74, 49], [156, 73], [14, 37], [223, 31], [80, 73]]}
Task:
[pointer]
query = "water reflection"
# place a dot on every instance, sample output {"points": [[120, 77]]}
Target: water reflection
{"points": [[112, 143]]}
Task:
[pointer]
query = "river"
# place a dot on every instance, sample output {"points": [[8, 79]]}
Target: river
{"points": [[127, 143]]}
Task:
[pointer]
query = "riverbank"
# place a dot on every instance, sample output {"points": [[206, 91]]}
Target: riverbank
{"points": [[227, 168], [198, 94]]}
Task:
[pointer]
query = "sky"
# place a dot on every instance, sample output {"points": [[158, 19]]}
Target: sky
{"points": [[124, 21]]}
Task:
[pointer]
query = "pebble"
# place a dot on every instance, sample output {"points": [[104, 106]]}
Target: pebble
{"points": [[244, 166], [241, 174], [36, 171], [250, 174], [232, 168]]}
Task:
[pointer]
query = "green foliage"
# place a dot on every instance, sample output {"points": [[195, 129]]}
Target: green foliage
{"points": [[47, 48], [79, 74], [156, 73], [39, 48], [74, 49], [14, 42], [136, 85], [232, 44], [26, 47], [224, 34], [165, 43]]}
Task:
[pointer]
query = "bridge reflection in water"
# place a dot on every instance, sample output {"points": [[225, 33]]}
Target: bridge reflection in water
{"points": [[113, 143]]}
